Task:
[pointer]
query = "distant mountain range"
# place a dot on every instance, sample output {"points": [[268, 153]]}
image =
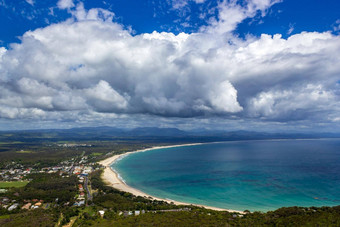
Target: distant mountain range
{"points": [[151, 134]]}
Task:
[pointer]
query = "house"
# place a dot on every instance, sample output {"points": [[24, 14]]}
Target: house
{"points": [[5, 200], [81, 188], [81, 179], [34, 207], [127, 213], [14, 206], [26, 206], [101, 213], [80, 203]]}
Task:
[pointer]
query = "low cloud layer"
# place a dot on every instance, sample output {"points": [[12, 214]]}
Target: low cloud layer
{"points": [[90, 66]]}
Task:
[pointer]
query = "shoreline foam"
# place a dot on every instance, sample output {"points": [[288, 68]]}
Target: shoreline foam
{"points": [[112, 179]]}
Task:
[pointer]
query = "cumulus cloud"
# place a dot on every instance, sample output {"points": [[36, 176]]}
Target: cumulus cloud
{"points": [[231, 13], [91, 67], [65, 4], [104, 98], [80, 13], [292, 104], [114, 71]]}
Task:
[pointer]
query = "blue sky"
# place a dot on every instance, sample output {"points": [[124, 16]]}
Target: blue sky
{"points": [[287, 17], [266, 65]]}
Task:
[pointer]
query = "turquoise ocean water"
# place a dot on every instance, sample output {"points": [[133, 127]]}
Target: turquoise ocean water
{"points": [[253, 175]]}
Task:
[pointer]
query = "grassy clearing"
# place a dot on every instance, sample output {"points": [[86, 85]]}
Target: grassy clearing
{"points": [[96, 154], [89, 210], [72, 220], [15, 184], [12, 142], [25, 152], [5, 216]]}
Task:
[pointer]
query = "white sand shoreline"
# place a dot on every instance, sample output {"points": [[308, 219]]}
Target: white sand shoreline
{"points": [[112, 179]]}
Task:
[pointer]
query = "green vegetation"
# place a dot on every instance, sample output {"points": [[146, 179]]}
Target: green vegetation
{"points": [[96, 154], [41, 154], [12, 142], [5, 216], [200, 217], [15, 184], [49, 187], [52, 191], [32, 218], [25, 152]]}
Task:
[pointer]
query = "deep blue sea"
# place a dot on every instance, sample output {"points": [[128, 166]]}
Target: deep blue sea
{"points": [[252, 175]]}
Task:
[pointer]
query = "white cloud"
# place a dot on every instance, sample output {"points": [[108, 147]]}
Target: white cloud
{"points": [[179, 4], [2, 52], [295, 103], [90, 68], [105, 99], [222, 94], [291, 29], [79, 13], [231, 13], [65, 4], [336, 26], [31, 2], [132, 74]]}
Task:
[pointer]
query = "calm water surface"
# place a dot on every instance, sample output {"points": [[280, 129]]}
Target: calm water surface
{"points": [[253, 175]]}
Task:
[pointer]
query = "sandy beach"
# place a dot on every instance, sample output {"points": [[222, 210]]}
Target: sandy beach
{"points": [[111, 178]]}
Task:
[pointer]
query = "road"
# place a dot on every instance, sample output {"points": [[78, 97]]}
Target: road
{"points": [[89, 196]]}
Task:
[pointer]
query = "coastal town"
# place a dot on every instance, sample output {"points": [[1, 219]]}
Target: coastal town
{"points": [[17, 174]]}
